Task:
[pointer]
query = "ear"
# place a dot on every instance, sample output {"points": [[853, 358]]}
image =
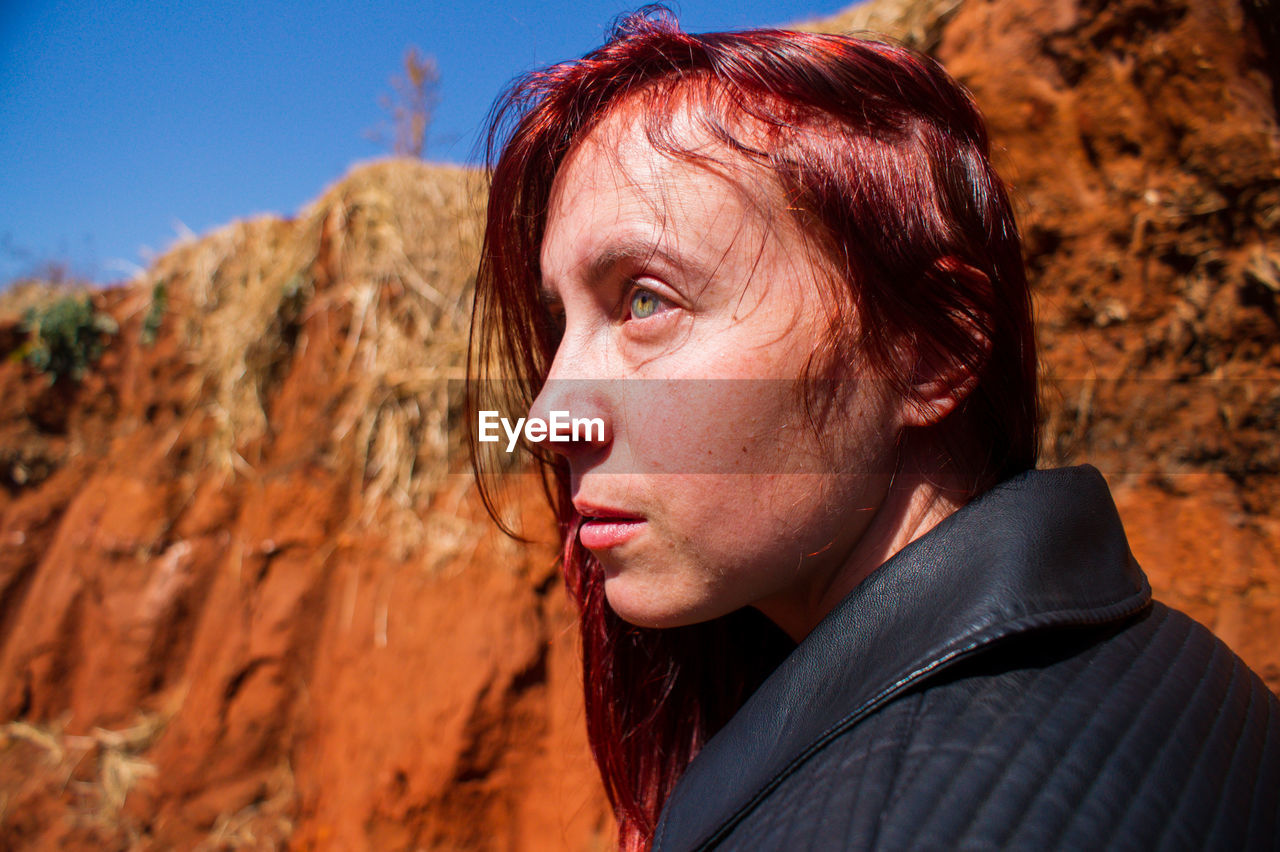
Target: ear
{"points": [[942, 378]]}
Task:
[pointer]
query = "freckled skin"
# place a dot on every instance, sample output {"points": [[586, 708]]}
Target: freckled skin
{"points": [[707, 439]]}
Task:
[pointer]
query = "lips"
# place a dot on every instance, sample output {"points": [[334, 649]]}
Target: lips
{"points": [[603, 527]]}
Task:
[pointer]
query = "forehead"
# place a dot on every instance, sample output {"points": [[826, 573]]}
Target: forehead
{"points": [[665, 179]]}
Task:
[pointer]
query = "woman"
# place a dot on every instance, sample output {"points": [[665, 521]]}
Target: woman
{"points": [[825, 601]]}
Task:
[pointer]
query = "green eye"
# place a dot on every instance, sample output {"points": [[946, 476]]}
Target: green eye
{"points": [[643, 304]]}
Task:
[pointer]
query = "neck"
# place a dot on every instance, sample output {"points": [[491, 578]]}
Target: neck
{"points": [[914, 502]]}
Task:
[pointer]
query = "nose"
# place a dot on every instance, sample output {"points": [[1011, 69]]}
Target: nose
{"points": [[575, 408]]}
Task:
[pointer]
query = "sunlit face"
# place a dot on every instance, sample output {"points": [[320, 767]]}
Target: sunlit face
{"points": [[691, 308]]}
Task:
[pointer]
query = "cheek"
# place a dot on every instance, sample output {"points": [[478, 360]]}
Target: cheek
{"points": [[716, 546], [715, 426]]}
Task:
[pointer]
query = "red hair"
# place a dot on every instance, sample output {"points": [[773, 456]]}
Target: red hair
{"points": [[884, 160]]}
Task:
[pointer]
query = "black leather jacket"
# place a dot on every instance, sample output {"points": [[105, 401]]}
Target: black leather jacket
{"points": [[1005, 682]]}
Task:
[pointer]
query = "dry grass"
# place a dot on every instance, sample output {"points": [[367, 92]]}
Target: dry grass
{"points": [[27, 294], [115, 764], [261, 825], [392, 249], [917, 23], [100, 770], [237, 286]]}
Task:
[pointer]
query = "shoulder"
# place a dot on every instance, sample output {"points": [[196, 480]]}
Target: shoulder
{"points": [[1148, 734], [1005, 681]]}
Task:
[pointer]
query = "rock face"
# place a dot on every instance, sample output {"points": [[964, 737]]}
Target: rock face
{"points": [[246, 599], [1142, 140]]}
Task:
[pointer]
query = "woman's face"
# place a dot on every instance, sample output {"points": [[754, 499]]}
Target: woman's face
{"points": [[691, 309]]}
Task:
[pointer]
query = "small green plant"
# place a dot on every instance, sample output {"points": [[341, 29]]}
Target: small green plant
{"points": [[66, 337], [151, 322]]}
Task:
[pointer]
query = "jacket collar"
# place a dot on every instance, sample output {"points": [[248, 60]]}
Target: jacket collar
{"points": [[1043, 549]]}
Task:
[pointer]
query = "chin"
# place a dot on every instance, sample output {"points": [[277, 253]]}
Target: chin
{"points": [[646, 606]]}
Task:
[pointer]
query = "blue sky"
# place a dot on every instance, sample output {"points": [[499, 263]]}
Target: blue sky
{"points": [[123, 123]]}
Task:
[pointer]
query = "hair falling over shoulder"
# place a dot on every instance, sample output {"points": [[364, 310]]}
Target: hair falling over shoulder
{"points": [[883, 157]]}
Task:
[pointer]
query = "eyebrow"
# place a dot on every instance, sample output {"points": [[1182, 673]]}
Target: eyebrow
{"points": [[600, 266]]}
